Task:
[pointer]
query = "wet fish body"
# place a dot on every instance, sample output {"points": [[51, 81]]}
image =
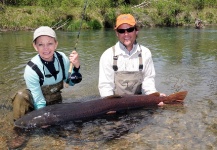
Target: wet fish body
{"points": [[60, 113]]}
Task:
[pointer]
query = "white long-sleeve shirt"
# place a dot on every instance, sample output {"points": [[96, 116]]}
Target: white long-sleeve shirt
{"points": [[127, 61]]}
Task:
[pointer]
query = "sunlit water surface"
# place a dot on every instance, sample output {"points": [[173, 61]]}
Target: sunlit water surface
{"points": [[184, 58]]}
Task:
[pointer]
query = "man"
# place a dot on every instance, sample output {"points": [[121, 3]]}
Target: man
{"points": [[127, 67], [44, 74], [198, 23]]}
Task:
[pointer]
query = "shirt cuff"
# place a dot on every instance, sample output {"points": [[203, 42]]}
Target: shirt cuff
{"points": [[39, 106], [106, 94], [76, 69]]}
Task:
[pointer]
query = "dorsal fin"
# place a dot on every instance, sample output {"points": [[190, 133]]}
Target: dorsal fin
{"points": [[155, 94], [112, 96]]}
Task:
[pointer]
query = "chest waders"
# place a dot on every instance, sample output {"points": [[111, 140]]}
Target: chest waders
{"points": [[52, 93], [127, 82], [23, 101]]}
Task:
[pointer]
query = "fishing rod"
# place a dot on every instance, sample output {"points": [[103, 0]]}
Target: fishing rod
{"points": [[76, 77]]}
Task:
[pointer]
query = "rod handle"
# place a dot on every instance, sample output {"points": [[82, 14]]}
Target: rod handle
{"points": [[69, 74]]}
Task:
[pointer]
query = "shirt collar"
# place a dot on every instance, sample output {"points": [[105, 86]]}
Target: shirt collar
{"points": [[122, 49]]}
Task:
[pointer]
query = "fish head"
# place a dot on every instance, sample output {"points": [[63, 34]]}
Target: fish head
{"points": [[29, 121], [26, 123]]}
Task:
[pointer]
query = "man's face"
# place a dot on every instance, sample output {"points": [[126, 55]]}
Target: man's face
{"points": [[126, 35]]}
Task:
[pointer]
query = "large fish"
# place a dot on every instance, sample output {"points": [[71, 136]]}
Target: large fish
{"points": [[59, 113]]}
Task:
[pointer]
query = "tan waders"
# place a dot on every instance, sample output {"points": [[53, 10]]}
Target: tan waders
{"points": [[23, 101], [128, 82]]}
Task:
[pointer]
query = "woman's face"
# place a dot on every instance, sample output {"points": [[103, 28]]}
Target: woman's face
{"points": [[45, 46], [127, 38]]}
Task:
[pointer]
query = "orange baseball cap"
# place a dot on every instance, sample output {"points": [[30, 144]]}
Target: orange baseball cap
{"points": [[125, 18]]}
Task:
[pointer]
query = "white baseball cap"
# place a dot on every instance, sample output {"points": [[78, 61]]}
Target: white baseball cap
{"points": [[44, 30]]}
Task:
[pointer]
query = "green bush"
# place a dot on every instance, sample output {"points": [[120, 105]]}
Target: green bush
{"points": [[187, 17], [198, 4], [71, 3], [167, 12], [109, 18], [74, 25], [210, 3], [94, 24], [209, 17]]}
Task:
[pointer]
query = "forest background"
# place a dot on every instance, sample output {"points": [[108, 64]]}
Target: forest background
{"points": [[67, 14]]}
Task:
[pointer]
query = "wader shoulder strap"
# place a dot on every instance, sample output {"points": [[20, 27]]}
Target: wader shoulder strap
{"points": [[37, 70], [60, 57], [40, 75], [115, 58], [140, 59]]}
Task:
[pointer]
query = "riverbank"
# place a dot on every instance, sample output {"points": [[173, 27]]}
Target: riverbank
{"points": [[30, 17]]}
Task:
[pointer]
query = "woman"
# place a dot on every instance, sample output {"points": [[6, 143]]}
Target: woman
{"points": [[44, 74]]}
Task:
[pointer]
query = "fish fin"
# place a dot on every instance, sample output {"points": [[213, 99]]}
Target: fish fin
{"points": [[111, 112], [45, 126], [155, 94], [176, 97], [112, 96]]}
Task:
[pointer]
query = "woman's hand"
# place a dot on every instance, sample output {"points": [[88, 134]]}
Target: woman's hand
{"points": [[74, 59]]}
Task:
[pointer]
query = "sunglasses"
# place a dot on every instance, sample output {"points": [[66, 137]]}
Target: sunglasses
{"points": [[131, 29]]}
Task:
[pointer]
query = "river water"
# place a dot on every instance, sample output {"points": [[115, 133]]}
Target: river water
{"points": [[184, 58]]}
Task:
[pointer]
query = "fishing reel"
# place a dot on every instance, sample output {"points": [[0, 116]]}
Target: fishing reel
{"points": [[75, 77]]}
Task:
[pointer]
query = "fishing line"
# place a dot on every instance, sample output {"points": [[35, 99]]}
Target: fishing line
{"points": [[79, 31], [76, 77]]}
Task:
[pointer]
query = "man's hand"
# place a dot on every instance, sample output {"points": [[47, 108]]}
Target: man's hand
{"points": [[162, 103]]}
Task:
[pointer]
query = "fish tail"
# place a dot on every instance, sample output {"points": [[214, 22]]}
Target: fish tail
{"points": [[176, 97]]}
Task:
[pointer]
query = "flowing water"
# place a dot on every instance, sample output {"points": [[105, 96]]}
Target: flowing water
{"points": [[184, 58]]}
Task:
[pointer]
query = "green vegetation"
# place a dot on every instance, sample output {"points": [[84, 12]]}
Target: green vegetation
{"points": [[67, 14]]}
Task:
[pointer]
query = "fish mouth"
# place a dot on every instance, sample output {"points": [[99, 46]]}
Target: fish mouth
{"points": [[19, 124]]}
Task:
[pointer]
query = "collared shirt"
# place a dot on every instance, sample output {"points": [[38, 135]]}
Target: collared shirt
{"points": [[127, 61], [32, 79]]}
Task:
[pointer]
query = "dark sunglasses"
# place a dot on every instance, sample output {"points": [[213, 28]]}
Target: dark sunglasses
{"points": [[131, 29]]}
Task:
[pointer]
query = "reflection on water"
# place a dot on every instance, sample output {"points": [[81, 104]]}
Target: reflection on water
{"points": [[184, 58]]}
